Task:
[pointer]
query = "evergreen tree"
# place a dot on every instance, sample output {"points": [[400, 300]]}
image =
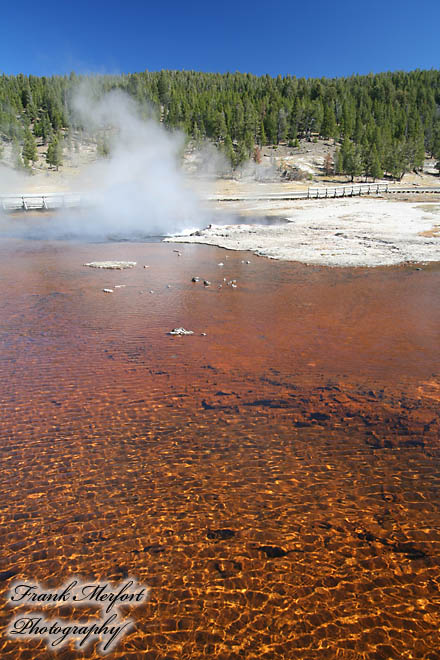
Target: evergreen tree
{"points": [[329, 127], [54, 155], [29, 151], [228, 150], [339, 162], [351, 159], [374, 169]]}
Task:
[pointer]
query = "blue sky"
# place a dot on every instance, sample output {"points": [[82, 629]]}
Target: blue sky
{"points": [[300, 37]]}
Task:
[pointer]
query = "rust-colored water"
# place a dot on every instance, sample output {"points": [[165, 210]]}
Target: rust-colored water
{"points": [[276, 482]]}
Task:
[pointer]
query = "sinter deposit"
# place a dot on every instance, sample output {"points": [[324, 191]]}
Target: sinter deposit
{"points": [[181, 331], [112, 265], [352, 232]]}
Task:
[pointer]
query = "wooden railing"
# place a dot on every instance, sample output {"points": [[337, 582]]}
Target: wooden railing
{"points": [[45, 201], [50, 201]]}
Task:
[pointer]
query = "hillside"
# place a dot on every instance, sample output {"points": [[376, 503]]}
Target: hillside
{"points": [[375, 125]]}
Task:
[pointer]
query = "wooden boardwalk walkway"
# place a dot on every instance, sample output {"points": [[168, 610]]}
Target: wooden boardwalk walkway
{"points": [[41, 201], [328, 192], [50, 201]]}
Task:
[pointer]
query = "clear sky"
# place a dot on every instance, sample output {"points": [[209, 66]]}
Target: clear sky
{"points": [[298, 37]]}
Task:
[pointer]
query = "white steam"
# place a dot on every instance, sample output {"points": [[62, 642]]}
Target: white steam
{"points": [[139, 187]]}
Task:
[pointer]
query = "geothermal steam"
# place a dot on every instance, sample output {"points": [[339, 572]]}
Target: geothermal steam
{"points": [[139, 189]]}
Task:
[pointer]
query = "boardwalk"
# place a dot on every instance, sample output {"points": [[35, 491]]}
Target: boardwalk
{"points": [[41, 201], [327, 192], [50, 201]]}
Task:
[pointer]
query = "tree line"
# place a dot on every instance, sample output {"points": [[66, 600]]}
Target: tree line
{"points": [[383, 123]]}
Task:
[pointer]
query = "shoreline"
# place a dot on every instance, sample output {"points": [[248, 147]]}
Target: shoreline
{"points": [[341, 233]]}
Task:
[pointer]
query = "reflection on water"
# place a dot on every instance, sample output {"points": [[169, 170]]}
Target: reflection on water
{"points": [[275, 482]]}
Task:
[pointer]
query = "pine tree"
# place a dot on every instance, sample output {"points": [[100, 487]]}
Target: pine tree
{"points": [[419, 150], [241, 155], [329, 127], [375, 170], [54, 156], [352, 159], [339, 162], [29, 151], [228, 150]]}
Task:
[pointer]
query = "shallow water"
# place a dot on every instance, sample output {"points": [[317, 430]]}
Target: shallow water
{"points": [[275, 482]]}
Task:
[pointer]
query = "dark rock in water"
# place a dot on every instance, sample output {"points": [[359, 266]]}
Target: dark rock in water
{"points": [[319, 417], [206, 282], [6, 575], [220, 534], [409, 549], [154, 549], [195, 279], [273, 551]]}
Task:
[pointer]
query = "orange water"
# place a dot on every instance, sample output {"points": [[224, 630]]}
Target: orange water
{"points": [[276, 482]]}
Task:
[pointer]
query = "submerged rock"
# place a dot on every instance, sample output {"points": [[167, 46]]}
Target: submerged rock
{"points": [[195, 279], [108, 290], [114, 265], [181, 331]]}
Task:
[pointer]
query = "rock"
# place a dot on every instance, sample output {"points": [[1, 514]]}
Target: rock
{"points": [[220, 534], [221, 263], [248, 262], [146, 266], [206, 282], [178, 251], [120, 286], [151, 291], [195, 279], [168, 286], [273, 551], [108, 290], [181, 331], [112, 265], [203, 334]]}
